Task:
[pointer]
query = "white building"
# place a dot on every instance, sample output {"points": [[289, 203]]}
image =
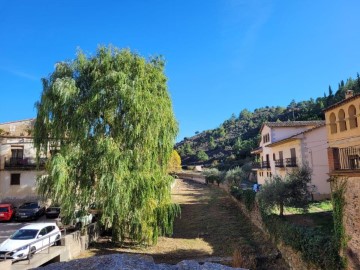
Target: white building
{"points": [[18, 169], [287, 145]]}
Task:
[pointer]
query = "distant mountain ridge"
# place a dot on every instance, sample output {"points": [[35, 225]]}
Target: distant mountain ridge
{"points": [[230, 144]]}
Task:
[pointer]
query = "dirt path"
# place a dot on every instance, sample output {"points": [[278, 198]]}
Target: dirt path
{"points": [[211, 225]]}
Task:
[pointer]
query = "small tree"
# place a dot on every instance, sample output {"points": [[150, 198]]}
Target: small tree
{"points": [[174, 162], [201, 155], [213, 175], [234, 176], [290, 190]]}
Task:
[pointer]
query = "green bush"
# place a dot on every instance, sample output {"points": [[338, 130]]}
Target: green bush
{"points": [[315, 245], [246, 196]]}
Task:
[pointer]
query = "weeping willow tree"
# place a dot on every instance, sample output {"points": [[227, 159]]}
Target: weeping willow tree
{"points": [[108, 121]]}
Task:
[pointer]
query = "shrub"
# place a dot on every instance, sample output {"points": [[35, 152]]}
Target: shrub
{"points": [[315, 245], [246, 196]]}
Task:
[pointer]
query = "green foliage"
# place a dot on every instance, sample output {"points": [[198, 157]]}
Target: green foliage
{"points": [[213, 175], [212, 143], [234, 176], [188, 149], [338, 200], [316, 246], [202, 156], [111, 116], [174, 162], [246, 196], [288, 191]]}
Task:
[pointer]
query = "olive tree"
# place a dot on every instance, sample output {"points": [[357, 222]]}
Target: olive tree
{"points": [[291, 190], [109, 120]]}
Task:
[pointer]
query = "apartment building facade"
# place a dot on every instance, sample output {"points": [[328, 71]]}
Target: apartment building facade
{"points": [[343, 131], [288, 145], [18, 168]]}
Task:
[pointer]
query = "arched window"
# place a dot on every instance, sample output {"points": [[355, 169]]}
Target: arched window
{"points": [[333, 126], [352, 117], [342, 122]]}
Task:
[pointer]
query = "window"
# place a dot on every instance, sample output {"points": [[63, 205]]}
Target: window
{"points": [[333, 126], [342, 122], [15, 179], [17, 151], [352, 117], [266, 138], [274, 158]]}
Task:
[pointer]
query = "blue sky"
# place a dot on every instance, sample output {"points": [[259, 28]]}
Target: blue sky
{"points": [[222, 56]]}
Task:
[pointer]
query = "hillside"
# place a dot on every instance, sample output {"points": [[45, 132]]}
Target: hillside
{"points": [[230, 144]]}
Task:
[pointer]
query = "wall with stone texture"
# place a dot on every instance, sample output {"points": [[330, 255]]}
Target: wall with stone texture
{"points": [[351, 221]]}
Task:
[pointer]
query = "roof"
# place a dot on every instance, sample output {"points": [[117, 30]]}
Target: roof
{"points": [[17, 121], [292, 137], [257, 150], [292, 124], [37, 226], [342, 102]]}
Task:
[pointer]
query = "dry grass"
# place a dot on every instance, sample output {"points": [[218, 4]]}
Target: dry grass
{"points": [[210, 225]]}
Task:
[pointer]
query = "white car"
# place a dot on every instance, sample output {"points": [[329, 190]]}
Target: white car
{"points": [[28, 240]]}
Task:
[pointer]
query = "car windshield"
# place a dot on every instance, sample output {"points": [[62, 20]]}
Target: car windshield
{"points": [[24, 234], [29, 206], [3, 209]]}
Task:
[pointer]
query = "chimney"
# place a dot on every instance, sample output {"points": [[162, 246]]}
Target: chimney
{"points": [[349, 94]]}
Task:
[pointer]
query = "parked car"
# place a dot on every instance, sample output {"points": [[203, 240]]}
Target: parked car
{"points": [[28, 240], [52, 212], [29, 210], [7, 211], [79, 220]]}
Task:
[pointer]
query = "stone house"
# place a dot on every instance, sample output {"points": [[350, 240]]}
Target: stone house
{"points": [[343, 131], [18, 169], [288, 145]]}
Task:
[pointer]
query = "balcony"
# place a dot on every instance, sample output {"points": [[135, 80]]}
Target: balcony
{"points": [[260, 165], [265, 164], [346, 159], [290, 162], [256, 165], [279, 163], [23, 163]]}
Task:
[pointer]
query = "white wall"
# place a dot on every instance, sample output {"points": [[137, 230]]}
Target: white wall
{"points": [[14, 193], [315, 152]]}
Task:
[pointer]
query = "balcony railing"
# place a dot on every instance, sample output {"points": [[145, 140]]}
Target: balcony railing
{"points": [[279, 163], [348, 159], [265, 164], [256, 165], [290, 162], [25, 162], [260, 165]]}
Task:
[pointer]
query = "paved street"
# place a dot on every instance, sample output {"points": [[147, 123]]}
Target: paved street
{"points": [[8, 228]]}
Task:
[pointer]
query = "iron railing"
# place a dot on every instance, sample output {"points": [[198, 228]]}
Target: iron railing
{"points": [[24, 162], [290, 162], [265, 164], [279, 163], [349, 158]]}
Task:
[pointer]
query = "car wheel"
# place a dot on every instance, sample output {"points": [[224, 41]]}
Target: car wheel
{"points": [[31, 253]]}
